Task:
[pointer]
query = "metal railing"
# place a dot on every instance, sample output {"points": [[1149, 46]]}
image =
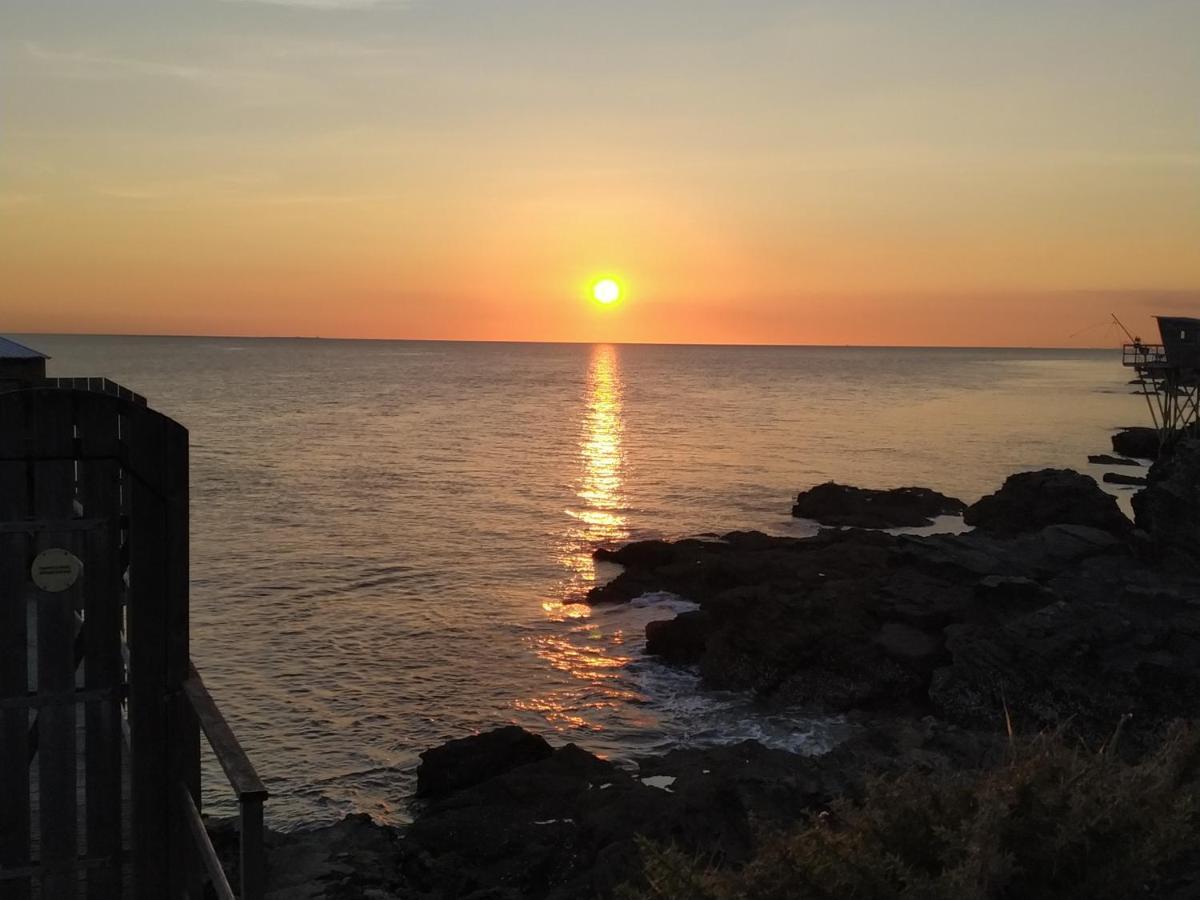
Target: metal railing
{"points": [[246, 786], [1139, 356]]}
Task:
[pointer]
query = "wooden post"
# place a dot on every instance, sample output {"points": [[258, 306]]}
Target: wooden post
{"points": [[54, 497], [104, 598], [142, 441], [253, 853], [14, 666]]}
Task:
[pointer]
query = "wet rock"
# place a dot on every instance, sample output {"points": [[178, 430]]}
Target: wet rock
{"points": [[847, 506], [680, 640], [1121, 478], [354, 858], [1104, 459], [468, 761], [1168, 508], [1029, 501], [1139, 442]]}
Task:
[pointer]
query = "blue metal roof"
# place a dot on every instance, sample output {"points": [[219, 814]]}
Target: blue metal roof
{"points": [[12, 350]]}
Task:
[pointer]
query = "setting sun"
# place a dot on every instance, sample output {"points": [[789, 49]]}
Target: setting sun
{"points": [[606, 291]]}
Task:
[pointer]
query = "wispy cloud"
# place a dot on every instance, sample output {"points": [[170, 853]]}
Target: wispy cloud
{"points": [[254, 85], [327, 4], [97, 65]]}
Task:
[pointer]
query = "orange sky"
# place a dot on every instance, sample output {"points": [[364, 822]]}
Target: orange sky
{"points": [[1004, 174]]}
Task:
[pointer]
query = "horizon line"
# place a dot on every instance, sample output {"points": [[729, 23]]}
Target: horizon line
{"points": [[311, 337]]}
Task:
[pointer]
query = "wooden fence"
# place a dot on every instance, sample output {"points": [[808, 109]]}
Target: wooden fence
{"points": [[100, 708]]}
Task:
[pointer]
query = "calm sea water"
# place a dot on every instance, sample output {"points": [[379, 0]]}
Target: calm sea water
{"points": [[389, 537]]}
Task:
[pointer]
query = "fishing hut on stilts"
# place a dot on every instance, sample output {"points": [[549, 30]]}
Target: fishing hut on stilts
{"points": [[1168, 374], [101, 710]]}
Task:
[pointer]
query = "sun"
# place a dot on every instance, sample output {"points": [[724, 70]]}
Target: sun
{"points": [[606, 291]]}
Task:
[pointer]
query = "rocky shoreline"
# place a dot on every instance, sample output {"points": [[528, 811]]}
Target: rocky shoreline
{"points": [[1056, 614]]}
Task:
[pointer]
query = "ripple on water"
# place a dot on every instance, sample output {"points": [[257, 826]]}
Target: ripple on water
{"points": [[389, 538]]}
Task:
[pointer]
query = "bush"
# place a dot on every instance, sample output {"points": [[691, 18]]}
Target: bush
{"points": [[1052, 822]]}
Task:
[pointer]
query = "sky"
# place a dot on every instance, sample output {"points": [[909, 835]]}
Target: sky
{"points": [[972, 173]]}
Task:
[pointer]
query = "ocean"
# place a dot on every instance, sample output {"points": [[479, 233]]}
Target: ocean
{"points": [[389, 539]]}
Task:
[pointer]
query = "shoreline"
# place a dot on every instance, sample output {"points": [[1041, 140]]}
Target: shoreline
{"points": [[1056, 615]]}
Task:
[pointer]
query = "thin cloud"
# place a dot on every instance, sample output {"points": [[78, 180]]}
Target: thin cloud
{"points": [[327, 4], [252, 86]]}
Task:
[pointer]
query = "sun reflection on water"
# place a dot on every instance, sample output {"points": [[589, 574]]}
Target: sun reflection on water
{"points": [[598, 518], [590, 655]]}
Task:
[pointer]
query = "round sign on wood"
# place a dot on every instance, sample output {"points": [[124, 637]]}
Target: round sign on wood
{"points": [[55, 570]]}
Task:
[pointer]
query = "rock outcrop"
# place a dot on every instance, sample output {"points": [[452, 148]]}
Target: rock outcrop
{"points": [[847, 506], [568, 825], [1139, 442], [1123, 479], [1168, 508], [1053, 615], [1063, 624], [1104, 459], [467, 761], [1030, 501]]}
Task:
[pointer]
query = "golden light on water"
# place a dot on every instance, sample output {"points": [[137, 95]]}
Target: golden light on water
{"points": [[587, 653], [600, 515], [598, 518]]}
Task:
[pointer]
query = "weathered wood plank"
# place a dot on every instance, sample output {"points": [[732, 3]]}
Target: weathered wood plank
{"points": [[184, 763], [144, 440], [233, 759], [14, 671], [104, 599], [204, 847], [53, 497]]}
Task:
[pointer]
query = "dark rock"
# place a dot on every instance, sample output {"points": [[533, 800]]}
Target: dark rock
{"points": [[1103, 459], [868, 622], [1071, 663], [680, 640], [843, 505], [909, 644], [1013, 589], [467, 761], [642, 554], [1139, 442], [562, 827], [1121, 478], [1029, 501], [353, 858], [1168, 508]]}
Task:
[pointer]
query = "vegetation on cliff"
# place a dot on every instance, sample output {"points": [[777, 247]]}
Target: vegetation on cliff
{"points": [[1054, 821]]}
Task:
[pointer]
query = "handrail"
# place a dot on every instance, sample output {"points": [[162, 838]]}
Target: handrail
{"points": [[204, 845], [246, 785], [238, 769]]}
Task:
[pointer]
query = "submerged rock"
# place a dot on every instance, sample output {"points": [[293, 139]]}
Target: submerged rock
{"points": [[1139, 442], [1029, 501], [1122, 478], [1104, 459], [847, 506]]}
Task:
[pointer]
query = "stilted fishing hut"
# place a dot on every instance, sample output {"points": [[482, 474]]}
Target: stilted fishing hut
{"points": [[101, 710], [1169, 375], [20, 365]]}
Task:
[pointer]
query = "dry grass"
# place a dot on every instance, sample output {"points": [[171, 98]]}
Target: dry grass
{"points": [[1053, 822]]}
